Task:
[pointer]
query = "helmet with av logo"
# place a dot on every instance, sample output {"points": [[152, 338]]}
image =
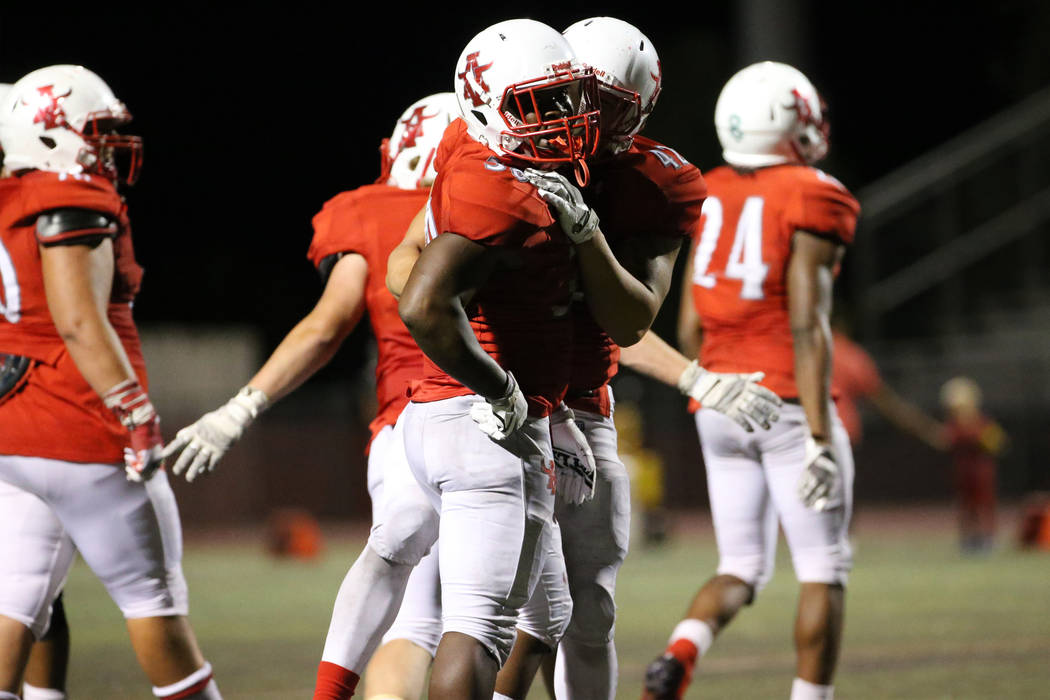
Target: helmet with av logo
{"points": [[408, 155], [769, 113], [628, 71], [523, 94], [62, 119]]}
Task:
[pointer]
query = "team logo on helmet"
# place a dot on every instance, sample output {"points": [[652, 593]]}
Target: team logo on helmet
{"points": [[475, 71], [413, 128], [51, 112]]}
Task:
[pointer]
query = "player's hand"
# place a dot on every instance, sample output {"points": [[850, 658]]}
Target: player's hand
{"points": [[820, 487], [577, 219], [739, 396], [205, 442], [573, 458], [500, 418], [132, 407]]}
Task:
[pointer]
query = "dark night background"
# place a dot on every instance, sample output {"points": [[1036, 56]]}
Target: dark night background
{"points": [[254, 115]]}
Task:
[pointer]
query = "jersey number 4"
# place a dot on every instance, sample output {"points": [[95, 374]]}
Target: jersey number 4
{"points": [[11, 304], [745, 258]]}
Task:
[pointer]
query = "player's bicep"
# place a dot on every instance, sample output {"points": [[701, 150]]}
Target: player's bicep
{"points": [[650, 260], [343, 301], [450, 266], [78, 280], [810, 274]]}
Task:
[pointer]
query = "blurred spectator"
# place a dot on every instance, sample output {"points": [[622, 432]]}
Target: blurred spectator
{"points": [[974, 441], [646, 470]]}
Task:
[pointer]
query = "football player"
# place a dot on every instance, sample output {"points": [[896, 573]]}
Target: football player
{"points": [[648, 201], [487, 302], [73, 367], [45, 673], [353, 236], [759, 286]]}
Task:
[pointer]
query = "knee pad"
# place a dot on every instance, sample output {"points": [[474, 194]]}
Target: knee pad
{"points": [[405, 536], [547, 615], [827, 564], [593, 615], [752, 569]]}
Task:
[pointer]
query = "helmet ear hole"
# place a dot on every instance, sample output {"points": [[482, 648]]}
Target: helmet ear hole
{"points": [[48, 141], [480, 117]]}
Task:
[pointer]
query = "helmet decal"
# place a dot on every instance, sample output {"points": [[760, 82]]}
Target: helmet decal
{"points": [[475, 71], [51, 112], [413, 128]]}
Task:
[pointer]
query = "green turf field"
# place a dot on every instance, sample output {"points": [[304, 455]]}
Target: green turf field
{"points": [[922, 621]]}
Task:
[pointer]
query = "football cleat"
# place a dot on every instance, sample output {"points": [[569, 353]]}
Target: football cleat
{"points": [[665, 679]]}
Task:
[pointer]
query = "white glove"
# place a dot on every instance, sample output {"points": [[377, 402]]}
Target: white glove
{"points": [[207, 440], [577, 219], [500, 418], [820, 486], [573, 458], [738, 396]]}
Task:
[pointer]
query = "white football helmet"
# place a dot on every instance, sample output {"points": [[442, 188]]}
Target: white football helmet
{"points": [[523, 94], [408, 155], [61, 119], [628, 70], [769, 113]]}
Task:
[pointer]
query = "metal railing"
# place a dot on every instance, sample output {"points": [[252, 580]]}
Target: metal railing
{"points": [[926, 223]]}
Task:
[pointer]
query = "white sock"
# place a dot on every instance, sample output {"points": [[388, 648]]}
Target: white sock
{"points": [[199, 684], [31, 692], [365, 607], [583, 671], [804, 690], [696, 631], [4, 695], [501, 696]]}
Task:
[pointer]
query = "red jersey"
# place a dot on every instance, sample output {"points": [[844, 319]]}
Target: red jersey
{"points": [[56, 414], [520, 316], [853, 376], [650, 190], [740, 261], [371, 221]]}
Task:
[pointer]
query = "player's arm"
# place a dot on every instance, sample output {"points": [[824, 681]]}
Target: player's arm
{"points": [[307, 348], [624, 290], [78, 279], [447, 274], [908, 417], [403, 256], [809, 284], [690, 333], [449, 270], [810, 276]]}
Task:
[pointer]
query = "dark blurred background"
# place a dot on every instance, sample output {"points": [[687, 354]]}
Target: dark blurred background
{"points": [[253, 116]]}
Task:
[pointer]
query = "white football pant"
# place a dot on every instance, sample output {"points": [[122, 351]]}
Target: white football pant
{"points": [[594, 537], [752, 477], [419, 619], [494, 506], [127, 532]]}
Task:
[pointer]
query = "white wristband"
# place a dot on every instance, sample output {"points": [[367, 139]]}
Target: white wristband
{"points": [[688, 377]]}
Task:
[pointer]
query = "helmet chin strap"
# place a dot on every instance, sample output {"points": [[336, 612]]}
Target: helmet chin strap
{"points": [[581, 172]]}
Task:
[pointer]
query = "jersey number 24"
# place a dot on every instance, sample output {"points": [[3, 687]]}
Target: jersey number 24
{"points": [[745, 258]]}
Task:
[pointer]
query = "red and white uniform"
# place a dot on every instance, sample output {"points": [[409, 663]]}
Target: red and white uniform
{"points": [[371, 221], [57, 400], [521, 315], [740, 262], [650, 190], [482, 489], [62, 479]]}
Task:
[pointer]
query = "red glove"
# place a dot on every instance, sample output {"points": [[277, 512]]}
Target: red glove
{"points": [[131, 405]]}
